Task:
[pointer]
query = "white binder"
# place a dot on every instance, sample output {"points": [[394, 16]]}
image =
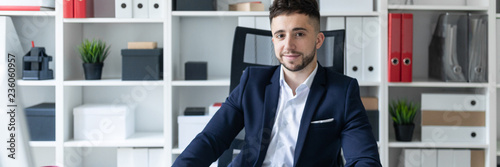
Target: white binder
{"points": [[123, 8], [156, 157], [461, 158], [445, 157], [453, 102], [439, 134], [371, 56], [335, 23], [354, 43], [140, 9], [429, 157], [412, 157], [156, 8]]}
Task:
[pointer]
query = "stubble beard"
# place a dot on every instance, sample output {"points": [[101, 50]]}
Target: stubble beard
{"points": [[306, 60]]}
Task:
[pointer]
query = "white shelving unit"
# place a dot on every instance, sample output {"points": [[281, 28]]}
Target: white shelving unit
{"points": [[208, 36]]}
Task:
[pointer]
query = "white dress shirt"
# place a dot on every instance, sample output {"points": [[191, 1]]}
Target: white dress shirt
{"points": [[287, 122]]}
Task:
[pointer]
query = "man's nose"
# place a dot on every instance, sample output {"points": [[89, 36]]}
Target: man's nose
{"points": [[289, 43]]}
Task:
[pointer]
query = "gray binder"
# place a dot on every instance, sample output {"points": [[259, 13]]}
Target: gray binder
{"points": [[478, 48], [458, 49]]}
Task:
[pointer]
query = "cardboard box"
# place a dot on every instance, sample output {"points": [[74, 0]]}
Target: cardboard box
{"points": [[103, 121], [247, 6], [142, 45]]}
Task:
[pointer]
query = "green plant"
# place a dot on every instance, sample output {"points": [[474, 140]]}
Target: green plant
{"points": [[402, 112], [94, 51]]}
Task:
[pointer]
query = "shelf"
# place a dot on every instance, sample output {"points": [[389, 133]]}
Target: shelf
{"points": [[437, 83], [218, 13], [50, 82], [42, 143], [112, 82], [366, 83], [259, 13], [211, 82], [326, 14], [28, 13], [498, 15], [418, 144], [139, 139], [113, 20], [437, 7]]}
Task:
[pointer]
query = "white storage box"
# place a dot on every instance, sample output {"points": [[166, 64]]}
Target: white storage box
{"points": [[189, 127], [103, 121], [346, 6]]}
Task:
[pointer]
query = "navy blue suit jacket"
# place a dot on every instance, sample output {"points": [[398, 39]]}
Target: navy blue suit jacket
{"points": [[253, 105]]}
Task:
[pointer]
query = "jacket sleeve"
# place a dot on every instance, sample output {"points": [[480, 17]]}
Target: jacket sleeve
{"points": [[358, 143], [217, 136]]}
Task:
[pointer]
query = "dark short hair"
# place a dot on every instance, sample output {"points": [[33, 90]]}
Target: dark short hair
{"points": [[307, 7]]}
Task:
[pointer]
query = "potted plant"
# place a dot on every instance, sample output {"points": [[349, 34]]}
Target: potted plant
{"points": [[403, 112], [93, 53]]}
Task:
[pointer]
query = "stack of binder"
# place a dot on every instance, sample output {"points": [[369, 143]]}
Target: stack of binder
{"points": [[361, 46], [453, 118], [400, 47], [458, 50]]}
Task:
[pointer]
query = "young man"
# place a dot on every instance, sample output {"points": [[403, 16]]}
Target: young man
{"points": [[295, 114]]}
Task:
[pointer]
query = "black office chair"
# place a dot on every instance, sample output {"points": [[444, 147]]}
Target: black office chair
{"points": [[253, 47]]}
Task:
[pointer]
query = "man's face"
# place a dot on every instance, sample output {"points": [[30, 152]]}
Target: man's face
{"points": [[295, 40]]}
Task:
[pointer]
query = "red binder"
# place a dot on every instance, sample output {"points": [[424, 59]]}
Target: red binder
{"points": [[406, 47], [394, 47], [68, 11], [83, 8]]}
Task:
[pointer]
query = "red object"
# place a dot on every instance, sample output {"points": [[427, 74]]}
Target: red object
{"points": [[83, 8], [217, 104], [394, 46], [406, 47], [68, 6], [20, 8], [32, 44]]}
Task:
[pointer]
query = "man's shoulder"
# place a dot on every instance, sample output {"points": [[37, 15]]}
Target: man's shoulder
{"points": [[262, 71]]}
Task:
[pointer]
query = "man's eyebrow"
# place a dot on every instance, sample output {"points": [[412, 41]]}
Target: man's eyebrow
{"points": [[279, 31], [299, 29], [294, 29]]}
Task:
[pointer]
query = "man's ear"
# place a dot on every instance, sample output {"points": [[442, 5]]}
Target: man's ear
{"points": [[320, 38]]}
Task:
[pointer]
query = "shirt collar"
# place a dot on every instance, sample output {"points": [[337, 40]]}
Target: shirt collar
{"points": [[307, 82]]}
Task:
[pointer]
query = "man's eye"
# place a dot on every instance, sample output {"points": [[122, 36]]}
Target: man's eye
{"points": [[280, 36], [299, 34]]}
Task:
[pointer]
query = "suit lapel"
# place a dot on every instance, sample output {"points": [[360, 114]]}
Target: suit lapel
{"points": [[270, 106], [316, 93]]}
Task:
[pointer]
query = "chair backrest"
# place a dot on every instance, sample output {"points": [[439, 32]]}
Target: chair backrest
{"points": [[253, 47]]}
